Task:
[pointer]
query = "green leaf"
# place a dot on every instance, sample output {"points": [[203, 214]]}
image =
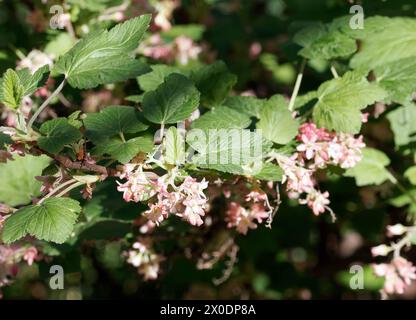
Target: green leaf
{"points": [[174, 100], [175, 147], [52, 220], [124, 151], [214, 81], [32, 82], [398, 78], [276, 121], [251, 106], [270, 172], [113, 121], [371, 170], [340, 101], [410, 174], [104, 56], [12, 91], [18, 184], [402, 122], [305, 99], [390, 40], [236, 151], [60, 45], [151, 80], [321, 41], [222, 118], [58, 133]]}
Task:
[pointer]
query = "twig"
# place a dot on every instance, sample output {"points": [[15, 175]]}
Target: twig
{"points": [[297, 86], [334, 72], [45, 104], [79, 165]]}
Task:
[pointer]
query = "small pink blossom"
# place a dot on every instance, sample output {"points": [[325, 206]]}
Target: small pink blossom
{"points": [[381, 250], [396, 230], [30, 255], [398, 274], [145, 260]]}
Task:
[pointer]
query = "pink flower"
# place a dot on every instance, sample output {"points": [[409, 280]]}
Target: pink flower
{"points": [[381, 250], [186, 200], [317, 201], [30, 255], [396, 230], [186, 50], [138, 187], [243, 219], [398, 274], [156, 213], [256, 196], [145, 260]]}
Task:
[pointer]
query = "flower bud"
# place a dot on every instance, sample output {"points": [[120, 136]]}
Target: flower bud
{"points": [[396, 230], [381, 250]]}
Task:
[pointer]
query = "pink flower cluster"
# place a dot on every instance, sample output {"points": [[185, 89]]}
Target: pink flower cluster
{"points": [[145, 260], [255, 209], [318, 148], [299, 181], [398, 274], [182, 49], [10, 257], [323, 148], [186, 200]]}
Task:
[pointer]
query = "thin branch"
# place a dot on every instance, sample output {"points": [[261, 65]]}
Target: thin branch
{"points": [[334, 72], [72, 186], [297, 86], [45, 104], [80, 165]]}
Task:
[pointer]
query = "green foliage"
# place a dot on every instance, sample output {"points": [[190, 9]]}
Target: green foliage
{"points": [[104, 56], [113, 121], [340, 101], [57, 133], [321, 41], [12, 91], [52, 220], [151, 80], [124, 150], [398, 79], [31, 82], [251, 106], [18, 185], [276, 121], [410, 174], [207, 79], [233, 151], [172, 101], [385, 41], [402, 122], [222, 118], [175, 147], [371, 170]]}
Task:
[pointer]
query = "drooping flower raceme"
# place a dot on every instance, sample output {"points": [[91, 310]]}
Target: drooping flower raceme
{"points": [[246, 207], [10, 257], [144, 259], [399, 272], [318, 148], [186, 200]]}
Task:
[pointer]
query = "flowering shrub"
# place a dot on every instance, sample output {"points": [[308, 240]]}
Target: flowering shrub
{"points": [[127, 146]]}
